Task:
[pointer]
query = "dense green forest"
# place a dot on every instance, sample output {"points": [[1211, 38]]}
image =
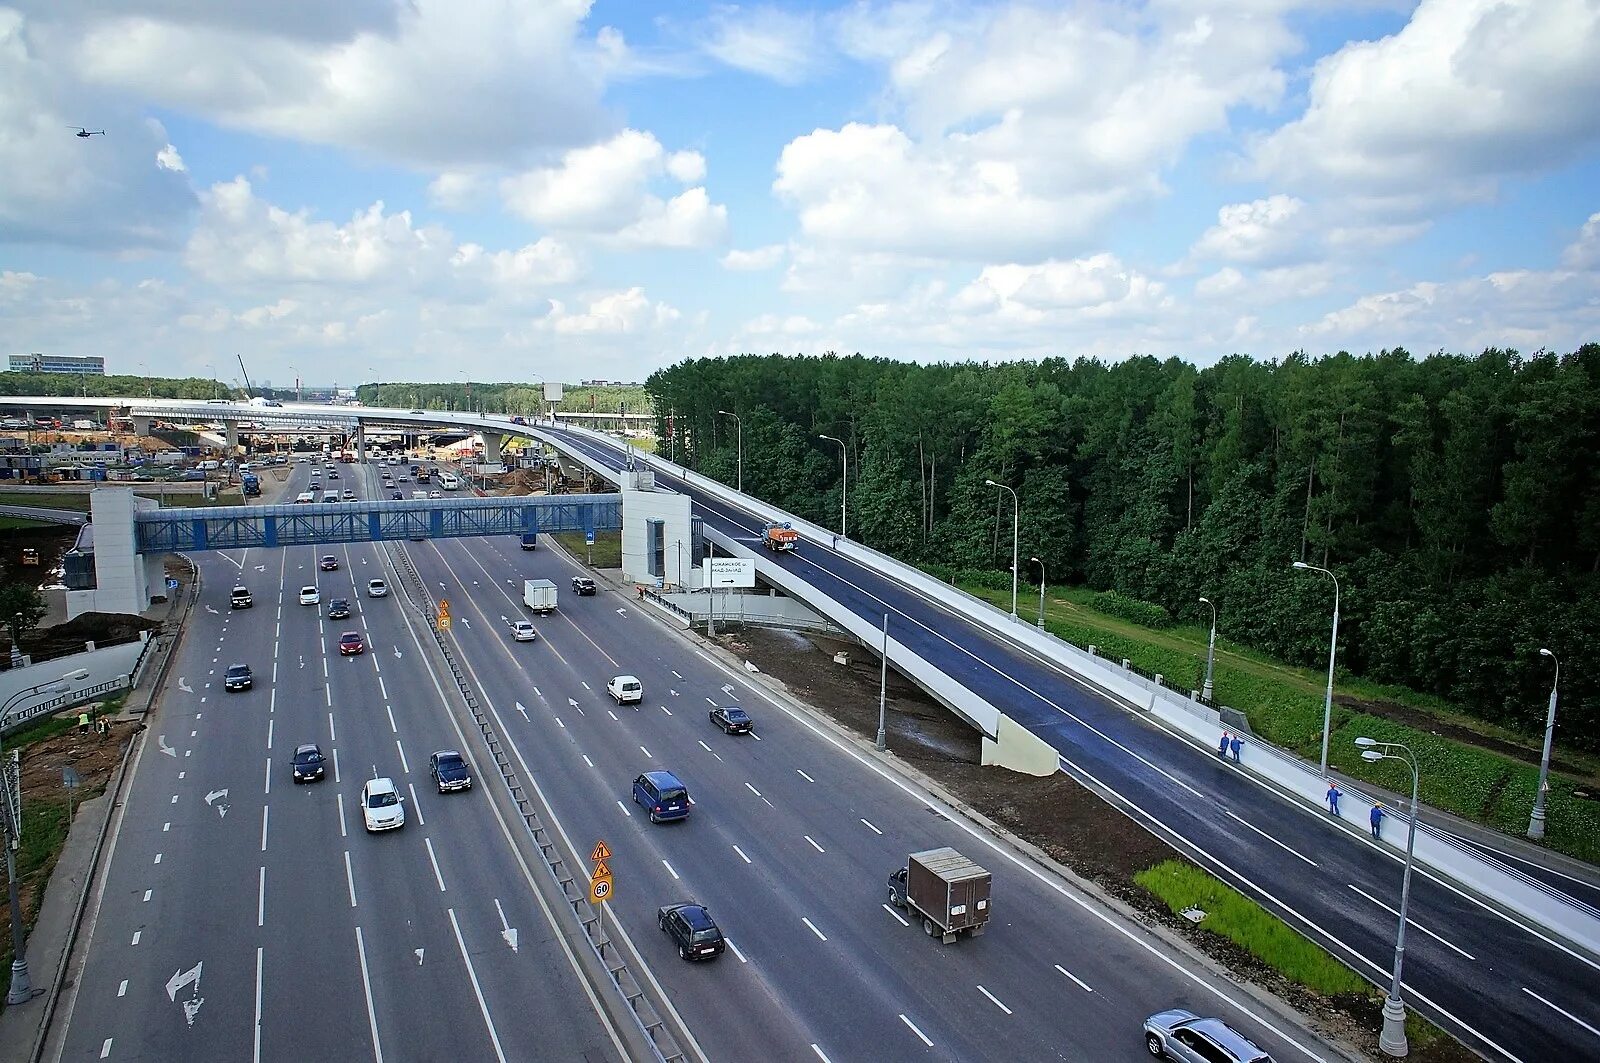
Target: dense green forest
{"points": [[1456, 498], [65, 384], [524, 400]]}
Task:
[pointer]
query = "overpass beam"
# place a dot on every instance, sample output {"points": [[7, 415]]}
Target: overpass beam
{"points": [[491, 447]]}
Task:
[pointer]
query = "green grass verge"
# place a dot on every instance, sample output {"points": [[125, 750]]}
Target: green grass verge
{"points": [[1232, 915], [80, 502], [607, 550], [1284, 706], [18, 522]]}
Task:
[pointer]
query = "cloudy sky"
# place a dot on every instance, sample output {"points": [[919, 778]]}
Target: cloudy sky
{"points": [[426, 189]]}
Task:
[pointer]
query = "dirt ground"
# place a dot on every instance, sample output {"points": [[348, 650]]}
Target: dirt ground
{"points": [[1066, 821]]}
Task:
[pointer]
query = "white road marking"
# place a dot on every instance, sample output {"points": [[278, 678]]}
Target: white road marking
{"points": [[382, 689], [166, 827], [896, 914], [393, 729], [1395, 912], [415, 804], [158, 858], [713, 704], [804, 776], [266, 787], [666, 710], [437, 874], [813, 927], [735, 948], [872, 828], [342, 833], [403, 763], [1081, 983], [1273, 840], [136, 935], [494, 1038], [994, 999], [122, 990], [674, 874], [740, 851], [270, 722], [147, 894], [174, 798], [920, 1035], [1561, 1011], [559, 723], [261, 900], [752, 789], [586, 759], [264, 810], [332, 735], [677, 673], [814, 844], [625, 810], [350, 880], [755, 736], [105, 1048], [256, 1056], [366, 985], [336, 764], [612, 715], [647, 753], [703, 745], [820, 1054]]}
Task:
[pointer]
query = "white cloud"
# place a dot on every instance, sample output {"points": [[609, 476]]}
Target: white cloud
{"points": [[169, 159], [1467, 92], [456, 190], [427, 82], [1262, 231], [1584, 252], [1024, 130], [757, 258], [617, 312], [1097, 286], [1266, 287], [774, 43], [604, 190]]}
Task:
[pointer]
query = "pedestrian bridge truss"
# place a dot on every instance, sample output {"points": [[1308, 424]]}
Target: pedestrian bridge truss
{"points": [[238, 527]]}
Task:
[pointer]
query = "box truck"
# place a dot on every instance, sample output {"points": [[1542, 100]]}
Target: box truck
{"points": [[949, 892], [539, 595]]}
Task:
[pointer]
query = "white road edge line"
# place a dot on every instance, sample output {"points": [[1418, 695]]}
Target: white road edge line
{"points": [[483, 1005], [366, 985], [897, 915], [1561, 1011]]}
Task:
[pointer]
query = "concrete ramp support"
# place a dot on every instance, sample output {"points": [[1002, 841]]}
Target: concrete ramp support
{"points": [[230, 432], [361, 444], [491, 448], [141, 426], [1017, 748]]}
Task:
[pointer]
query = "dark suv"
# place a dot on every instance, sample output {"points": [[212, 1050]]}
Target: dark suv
{"points": [[582, 585], [692, 929], [238, 678]]}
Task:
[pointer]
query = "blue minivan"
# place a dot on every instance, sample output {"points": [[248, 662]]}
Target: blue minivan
{"points": [[662, 795]]}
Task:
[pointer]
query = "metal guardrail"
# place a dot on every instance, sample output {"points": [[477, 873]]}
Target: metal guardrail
{"points": [[45, 514], [607, 952]]}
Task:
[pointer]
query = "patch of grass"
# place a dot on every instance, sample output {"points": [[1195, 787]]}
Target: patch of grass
{"points": [[61, 723], [607, 549], [1284, 706], [1232, 915], [18, 522]]}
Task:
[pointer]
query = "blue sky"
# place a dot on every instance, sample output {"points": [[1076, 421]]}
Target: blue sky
{"points": [[568, 190]]}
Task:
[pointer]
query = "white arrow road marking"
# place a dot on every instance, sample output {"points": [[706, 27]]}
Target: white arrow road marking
{"points": [[161, 741], [397, 652], [179, 979], [524, 712], [212, 611], [620, 612], [466, 623], [419, 957], [183, 685], [214, 798], [727, 688], [674, 693], [263, 568], [575, 705], [507, 931]]}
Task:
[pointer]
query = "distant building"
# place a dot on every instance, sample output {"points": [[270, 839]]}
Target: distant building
{"points": [[86, 364]]}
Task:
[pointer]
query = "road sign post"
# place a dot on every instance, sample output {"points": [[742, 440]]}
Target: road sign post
{"points": [[444, 614], [600, 888]]}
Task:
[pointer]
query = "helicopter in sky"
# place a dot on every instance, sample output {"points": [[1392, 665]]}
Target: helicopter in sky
{"points": [[87, 133]]}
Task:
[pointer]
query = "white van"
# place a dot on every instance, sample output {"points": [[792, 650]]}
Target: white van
{"points": [[209, 464], [304, 497], [449, 481]]}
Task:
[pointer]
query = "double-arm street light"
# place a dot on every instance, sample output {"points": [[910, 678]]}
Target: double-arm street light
{"points": [[1536, 821], [1211, 652], [1016, 513], [11, 813], [738, 449], [1393, 1038], [844, 492], [1333, 650]]}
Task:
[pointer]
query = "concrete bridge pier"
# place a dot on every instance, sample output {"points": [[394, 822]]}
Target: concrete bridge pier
{"points": [[230, 432], [141, 426], [361, 444], [491, 447]]}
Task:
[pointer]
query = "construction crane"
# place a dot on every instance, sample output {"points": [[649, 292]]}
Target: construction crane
{"points": [[248, 389]]}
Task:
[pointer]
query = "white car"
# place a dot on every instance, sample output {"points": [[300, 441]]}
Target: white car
{"points": [[625, 688], [376, 588], [522, 631], [381, 805], [309, 596], [304, 497]]}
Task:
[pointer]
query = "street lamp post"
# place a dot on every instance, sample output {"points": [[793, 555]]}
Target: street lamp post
{"points": [[844, 493], [213, 379], [1211, 653], [883, 689], [1333, 650], [1393, 1038], [1036, 561], [1016, 513], [377, 387], [738, 449], [21, 989], [1536, 821]]}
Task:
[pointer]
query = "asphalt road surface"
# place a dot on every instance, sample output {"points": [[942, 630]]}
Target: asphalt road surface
{"points": [[1498, 983]]}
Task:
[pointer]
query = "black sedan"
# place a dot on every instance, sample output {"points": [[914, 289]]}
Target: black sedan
{"points": [[691, 928], [339, 609], [732, 719], [450, 771], [582, 585], [308, 762], [329, 563], [238, 677]]}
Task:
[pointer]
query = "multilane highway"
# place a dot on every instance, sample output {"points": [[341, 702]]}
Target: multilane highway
{"points": [[243, 916], [1503, 986]]}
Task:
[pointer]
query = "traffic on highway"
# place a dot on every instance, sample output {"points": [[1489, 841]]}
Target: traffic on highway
{"points": [[313, 865]]}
